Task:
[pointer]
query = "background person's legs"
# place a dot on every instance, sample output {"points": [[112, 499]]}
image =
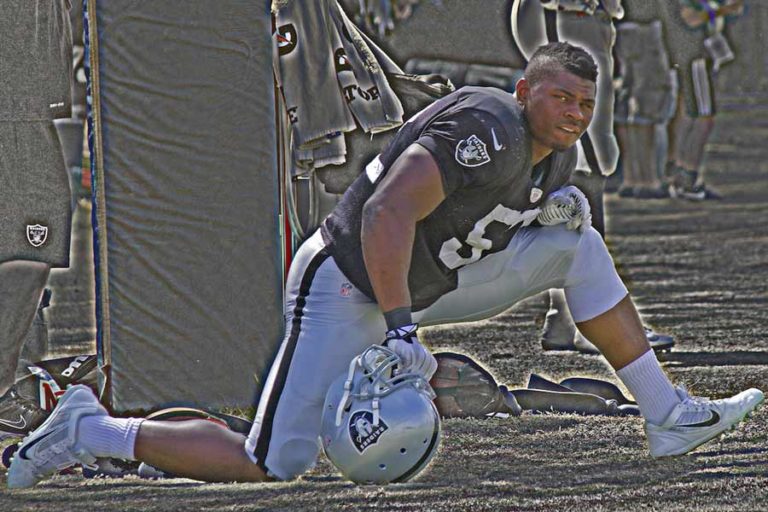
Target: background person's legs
{"points": [[686, 181], [559, 329], [21, 286], [692, 150], [642, 152], [679, 127], [694, 124]]}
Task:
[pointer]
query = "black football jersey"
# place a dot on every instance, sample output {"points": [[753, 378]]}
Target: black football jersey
{"points": [[480, 140]]}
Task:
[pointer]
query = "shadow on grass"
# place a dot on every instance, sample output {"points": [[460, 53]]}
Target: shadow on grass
{"points": [[732, 358], [734, 452]]}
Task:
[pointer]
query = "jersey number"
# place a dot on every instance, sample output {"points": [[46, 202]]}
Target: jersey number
{"points": [[449, 252]]}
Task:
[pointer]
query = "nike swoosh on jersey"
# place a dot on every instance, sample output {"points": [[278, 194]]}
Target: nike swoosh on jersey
{"points": [[711, 421], [21, 423], [496, 144], [25, 449]]}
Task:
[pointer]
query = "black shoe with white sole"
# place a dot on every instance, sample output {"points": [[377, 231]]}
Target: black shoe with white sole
{"points": [[18, 415]]}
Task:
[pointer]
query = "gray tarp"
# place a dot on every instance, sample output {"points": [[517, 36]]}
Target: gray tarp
{"points": [[188, 257]]}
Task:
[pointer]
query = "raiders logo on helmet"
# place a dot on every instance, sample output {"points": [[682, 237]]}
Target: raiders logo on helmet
{"points": [[363, 432], [471, 152]]}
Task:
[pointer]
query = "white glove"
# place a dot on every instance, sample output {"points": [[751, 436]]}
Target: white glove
{"points": [[585, 6], [566, 205], [415, 357]]}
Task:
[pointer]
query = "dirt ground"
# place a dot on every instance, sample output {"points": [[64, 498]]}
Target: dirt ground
{"points": [[697, 270]]}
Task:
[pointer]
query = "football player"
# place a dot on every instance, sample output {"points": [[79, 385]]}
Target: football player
{"points": [[465, 213]]}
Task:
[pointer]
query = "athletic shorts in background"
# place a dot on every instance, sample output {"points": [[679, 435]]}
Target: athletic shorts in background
{"points": [[697, 84], [647, 92], [35, 211]]}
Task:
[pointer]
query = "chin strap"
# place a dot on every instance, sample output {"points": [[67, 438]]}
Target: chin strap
{"points": [[347, 390], [375, 406]]}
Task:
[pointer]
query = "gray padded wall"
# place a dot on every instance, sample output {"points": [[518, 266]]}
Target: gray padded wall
{"points": [[189, 263]]}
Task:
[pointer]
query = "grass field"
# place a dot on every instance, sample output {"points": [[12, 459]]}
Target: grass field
{"points": [[698, 271]]}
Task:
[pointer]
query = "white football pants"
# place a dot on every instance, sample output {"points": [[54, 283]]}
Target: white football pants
{"points": [[329, 321]]}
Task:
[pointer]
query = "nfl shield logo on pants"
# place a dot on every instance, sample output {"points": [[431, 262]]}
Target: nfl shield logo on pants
{"points": [[37, 235]]}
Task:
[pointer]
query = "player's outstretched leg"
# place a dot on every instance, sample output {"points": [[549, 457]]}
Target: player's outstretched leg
{"points": [[675, 423], [79, 430]]}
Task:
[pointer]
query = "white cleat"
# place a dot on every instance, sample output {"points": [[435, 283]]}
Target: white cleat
{"points": [[53, 445], [696, 420]]}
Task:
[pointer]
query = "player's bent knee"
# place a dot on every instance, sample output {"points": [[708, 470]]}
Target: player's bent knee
{"points": [[296, 456], [592, 285], [592, 237], [588, 245], [562, 239], [592, 254]]}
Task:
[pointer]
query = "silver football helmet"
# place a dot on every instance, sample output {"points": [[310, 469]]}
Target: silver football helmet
{"points": [[379, 426]]}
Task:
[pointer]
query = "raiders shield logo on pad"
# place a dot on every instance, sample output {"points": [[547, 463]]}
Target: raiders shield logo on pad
{"points": [[363, 432], [472, 152], [37, 234]]}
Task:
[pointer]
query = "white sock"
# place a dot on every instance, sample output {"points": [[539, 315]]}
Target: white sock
{"points": [[654, 393], [104, 436]]}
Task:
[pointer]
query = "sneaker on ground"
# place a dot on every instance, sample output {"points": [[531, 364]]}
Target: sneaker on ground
{"points": [[53, 446], [18, 415], [685, 185], [658, 342], [695, 420], [699, 193]]}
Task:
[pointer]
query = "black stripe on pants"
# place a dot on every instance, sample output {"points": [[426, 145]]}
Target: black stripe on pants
{"points": [[265, 434]]}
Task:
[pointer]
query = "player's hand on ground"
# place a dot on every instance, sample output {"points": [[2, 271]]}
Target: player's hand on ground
{"points": [[567, 205], [415, 356]]}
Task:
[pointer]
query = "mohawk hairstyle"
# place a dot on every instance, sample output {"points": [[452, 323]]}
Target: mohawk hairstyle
{"points": [[553, 57]]}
